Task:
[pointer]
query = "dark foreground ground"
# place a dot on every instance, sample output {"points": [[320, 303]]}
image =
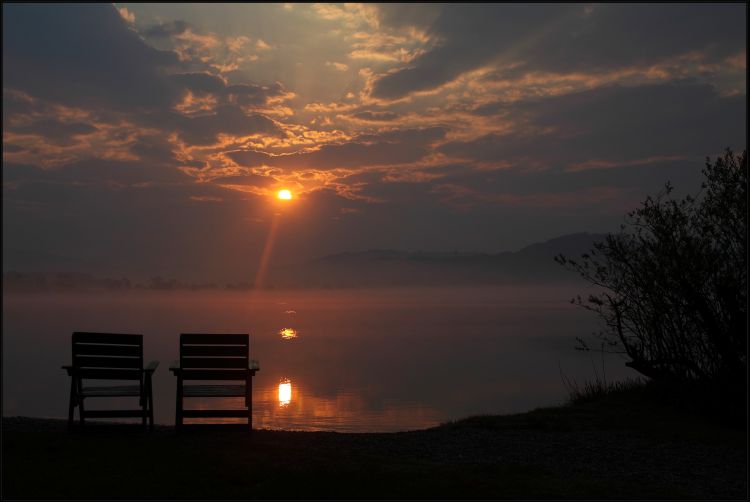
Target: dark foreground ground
{"points": [[617, 447]]}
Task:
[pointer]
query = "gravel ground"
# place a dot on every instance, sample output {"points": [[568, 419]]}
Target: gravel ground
{"points": [[692, 468], [708, 471]]}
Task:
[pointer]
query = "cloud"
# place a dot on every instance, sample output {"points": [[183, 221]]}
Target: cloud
{"points": [[367, 150], [81, 54], [77, 70], [245, 179], [205, 129], [468, 36], [337, 66], [127, 15], [95, 173], [166, 30], [198, 49], [61, 133], [554, 38], [201, 82], [236, 44], [614, 124], [465, 198], [351, 15], [261, 45], [374, 116], [258, 95], [607, 164]]}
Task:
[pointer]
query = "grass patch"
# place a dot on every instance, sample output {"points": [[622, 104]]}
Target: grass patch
{"points": [[657, 410], [593, 390]]}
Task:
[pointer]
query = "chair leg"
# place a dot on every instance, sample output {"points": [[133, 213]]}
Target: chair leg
{"points": [[178, 406], [80, 398], [144, 414], [72, 403], [81, 412], [249, 401], [142, 403], [150, 391]]}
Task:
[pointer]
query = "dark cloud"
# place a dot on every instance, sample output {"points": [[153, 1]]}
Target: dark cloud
{"points": [[565, 37], [614, 123], [204, 129], [619, 35], [16, 104], [469, 36], [59, 133], [404, 15], [254, 95], [254, 180], [155, 150], [198, 82], [376, 116], [81, 54], [240, 94], [252, 157], [95, 172], [166, 30]]}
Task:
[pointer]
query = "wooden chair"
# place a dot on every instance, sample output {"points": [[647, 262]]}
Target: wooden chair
{"points": [[214, 357], [110, 356]]}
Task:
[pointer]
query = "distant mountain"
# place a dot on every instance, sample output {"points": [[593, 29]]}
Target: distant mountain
{"points": [[388, 267], [572, 245]]}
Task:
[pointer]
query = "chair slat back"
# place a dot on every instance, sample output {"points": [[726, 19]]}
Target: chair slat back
{"points": [[110, 356], [214, 356]]}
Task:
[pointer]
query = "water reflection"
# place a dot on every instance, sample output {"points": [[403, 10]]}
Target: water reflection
{"points": [[285, 393], [288, 333], [282, 406], [506, 345]]}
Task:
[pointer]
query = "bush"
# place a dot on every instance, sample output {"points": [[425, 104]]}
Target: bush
{"points": [[673, 281]]}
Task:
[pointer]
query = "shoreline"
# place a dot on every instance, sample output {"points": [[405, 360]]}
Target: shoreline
{"points": [[614, 447]]}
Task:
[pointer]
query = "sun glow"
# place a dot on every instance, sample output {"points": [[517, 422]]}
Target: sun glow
{"points": [[284, 195], [285, 393], [288, 333]]}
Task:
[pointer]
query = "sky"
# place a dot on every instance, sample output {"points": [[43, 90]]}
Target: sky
{"points": [[151, 139]]}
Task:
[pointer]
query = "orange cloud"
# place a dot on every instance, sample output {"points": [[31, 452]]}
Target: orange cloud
{"points": [[126, 15], [337, 66], [606, 164]]}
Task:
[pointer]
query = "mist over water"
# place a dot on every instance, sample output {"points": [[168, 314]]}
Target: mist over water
{"points": [[344, 360]]}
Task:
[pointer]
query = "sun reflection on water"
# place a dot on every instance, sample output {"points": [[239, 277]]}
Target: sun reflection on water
{"points": [[288, 333], [285, 393]]}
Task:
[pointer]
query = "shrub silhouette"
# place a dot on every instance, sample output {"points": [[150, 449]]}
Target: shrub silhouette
{"points": [[672, 283]]}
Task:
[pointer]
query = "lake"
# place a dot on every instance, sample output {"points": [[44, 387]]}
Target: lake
{"points": [[341, 360]]}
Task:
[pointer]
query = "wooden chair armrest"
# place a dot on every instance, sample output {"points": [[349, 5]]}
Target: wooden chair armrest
{"points": [[151, 367], [175, 367]]}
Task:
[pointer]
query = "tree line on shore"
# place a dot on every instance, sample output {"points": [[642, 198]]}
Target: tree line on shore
{"points": [[19, 282]]}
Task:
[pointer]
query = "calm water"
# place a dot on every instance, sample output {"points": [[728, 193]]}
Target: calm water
{"points": [[355, 360]]}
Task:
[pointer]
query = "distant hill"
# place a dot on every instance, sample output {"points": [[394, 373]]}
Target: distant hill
{"points": [[387, 267]]}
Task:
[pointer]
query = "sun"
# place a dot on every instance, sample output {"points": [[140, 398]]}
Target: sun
{"points": [[284, 195]]}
